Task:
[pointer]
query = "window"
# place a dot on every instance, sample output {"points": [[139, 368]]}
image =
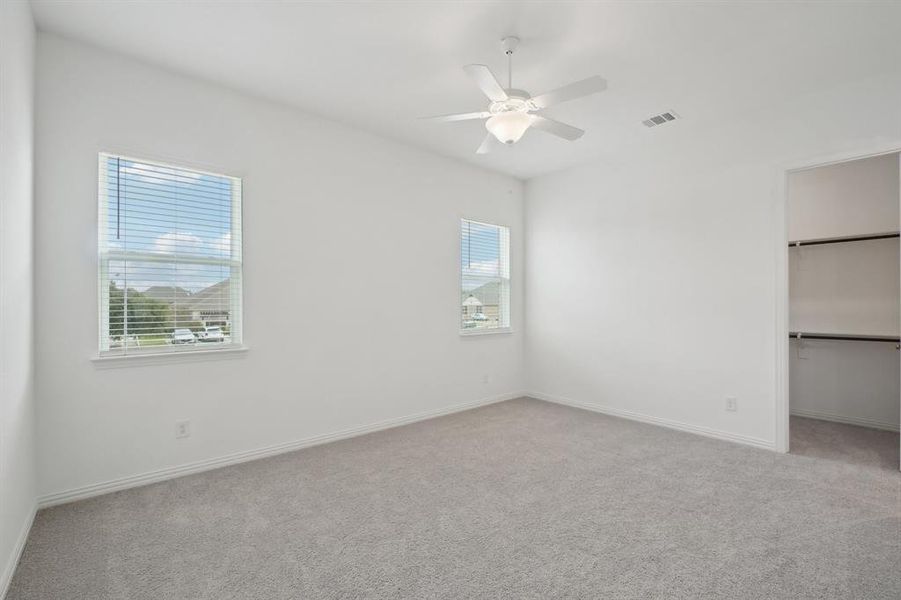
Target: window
{"points": [[485, 277], [170, 258]]}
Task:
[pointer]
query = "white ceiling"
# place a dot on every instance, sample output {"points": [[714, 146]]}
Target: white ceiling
{"points": [[380, 65]]}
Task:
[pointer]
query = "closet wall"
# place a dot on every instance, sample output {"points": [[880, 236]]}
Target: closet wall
{"points": [[845, 288]]}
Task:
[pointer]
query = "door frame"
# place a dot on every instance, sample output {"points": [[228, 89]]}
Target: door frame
{"points": [[781, 421]]}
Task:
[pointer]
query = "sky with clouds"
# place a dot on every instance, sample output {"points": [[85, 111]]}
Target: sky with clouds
{"points": [[164, 212], [480, 254]]}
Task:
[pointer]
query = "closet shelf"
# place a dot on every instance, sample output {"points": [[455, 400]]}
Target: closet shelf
{"points": [[803, 335], [842, 240]]}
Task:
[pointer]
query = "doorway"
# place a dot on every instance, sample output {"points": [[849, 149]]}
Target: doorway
{"points": [[843, 311]]}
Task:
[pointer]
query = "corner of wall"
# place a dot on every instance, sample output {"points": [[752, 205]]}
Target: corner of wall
{"points": [[17, 380]]}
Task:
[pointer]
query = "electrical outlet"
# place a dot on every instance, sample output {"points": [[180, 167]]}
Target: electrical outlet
{"points": [[182, 429], [731, 403], [486, 378]]}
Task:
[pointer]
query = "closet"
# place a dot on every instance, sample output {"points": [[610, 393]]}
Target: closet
{"points": [[845, 311]]}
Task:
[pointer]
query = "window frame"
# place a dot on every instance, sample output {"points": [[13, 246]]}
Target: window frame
{"points": [[236, 269], [476, 331]]}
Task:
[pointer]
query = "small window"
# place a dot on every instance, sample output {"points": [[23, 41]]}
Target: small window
{"points": [[485, 277], [170, 258]]}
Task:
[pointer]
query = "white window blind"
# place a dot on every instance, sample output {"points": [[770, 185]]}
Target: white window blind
{"points": [[485, 276], [170, 258]]}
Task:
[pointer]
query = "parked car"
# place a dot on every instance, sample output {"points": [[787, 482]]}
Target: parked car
{"points": [[182, 336], [212, 334]]}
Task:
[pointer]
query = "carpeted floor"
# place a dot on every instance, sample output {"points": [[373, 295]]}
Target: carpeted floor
{"points": [[845, 443], [522, 499]]}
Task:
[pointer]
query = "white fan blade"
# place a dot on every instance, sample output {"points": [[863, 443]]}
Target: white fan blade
{"points": [[460, 116], [586, 87], [567, 132], [486, 145], [487, 82]]}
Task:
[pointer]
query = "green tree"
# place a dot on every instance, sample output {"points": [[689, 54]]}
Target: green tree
{"points": [[142, 314], [116, 309]]}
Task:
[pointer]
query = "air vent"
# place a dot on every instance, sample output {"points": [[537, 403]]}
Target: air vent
{"points": [[660, 119]]}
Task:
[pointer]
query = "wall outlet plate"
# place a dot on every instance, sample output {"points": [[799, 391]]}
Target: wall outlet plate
{"points": [[182, 429], [731, 403]]}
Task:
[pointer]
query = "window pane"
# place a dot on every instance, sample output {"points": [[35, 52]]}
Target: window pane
{"points": [[485, 285], [170, 257]]}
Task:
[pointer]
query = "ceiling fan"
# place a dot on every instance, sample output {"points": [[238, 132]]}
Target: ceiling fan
{"points": [[512, 111]]}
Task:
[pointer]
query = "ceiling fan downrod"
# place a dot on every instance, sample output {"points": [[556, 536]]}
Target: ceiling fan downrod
{"points": [[509, 44]]}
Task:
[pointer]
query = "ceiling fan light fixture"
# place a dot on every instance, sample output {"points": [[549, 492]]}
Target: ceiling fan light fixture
{"points": [[512, 110], [509, 127]]}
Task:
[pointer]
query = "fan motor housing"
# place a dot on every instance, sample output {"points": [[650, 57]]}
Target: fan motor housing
{"points": [[518, 100]]}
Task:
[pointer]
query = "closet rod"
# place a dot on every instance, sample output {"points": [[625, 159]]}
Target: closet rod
{"points": [[841, 240], [800, 335]]}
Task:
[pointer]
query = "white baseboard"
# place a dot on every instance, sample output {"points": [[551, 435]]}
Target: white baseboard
{"points": [[132, 481], [669, 423], [147, 478], [836, 418], [7, 576]]}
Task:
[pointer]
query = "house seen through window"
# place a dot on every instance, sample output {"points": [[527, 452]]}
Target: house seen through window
{"points": [[170, 258]]}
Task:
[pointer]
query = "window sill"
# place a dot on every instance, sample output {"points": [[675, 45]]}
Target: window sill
{"points": [[478, 332], [179, 356]]}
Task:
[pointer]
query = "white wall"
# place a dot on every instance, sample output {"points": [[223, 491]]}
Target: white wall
{"points": [[845, 288], [351, 275], [848, 382], [652, 275], [849, 198], [17, 414]]}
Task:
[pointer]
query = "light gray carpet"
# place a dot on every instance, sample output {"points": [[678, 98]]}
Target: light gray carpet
{"points": [[522, 499], [846, 443]]}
